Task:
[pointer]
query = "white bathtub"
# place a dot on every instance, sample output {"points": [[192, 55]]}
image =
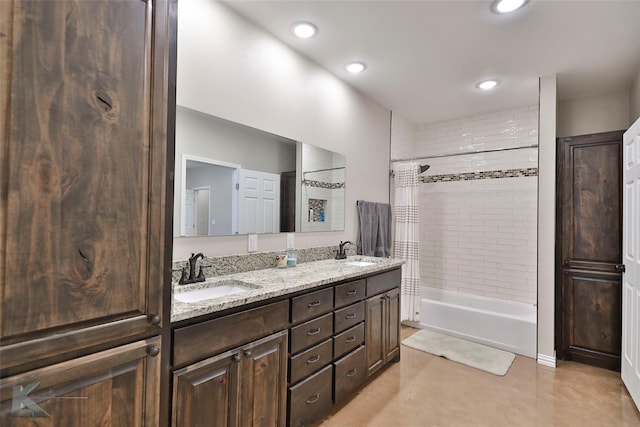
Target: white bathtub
{"points": [[503, 324]]}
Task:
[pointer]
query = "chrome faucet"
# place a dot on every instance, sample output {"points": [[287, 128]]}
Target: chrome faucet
{"points": [[340, 253], [192, 278]]}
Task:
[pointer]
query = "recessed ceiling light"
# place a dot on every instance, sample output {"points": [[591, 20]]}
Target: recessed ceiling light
{"points": [[304, 30], [355, 67], [506, 6], [488, 84]]}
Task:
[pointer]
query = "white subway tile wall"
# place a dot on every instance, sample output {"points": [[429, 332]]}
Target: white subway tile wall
{"points": [[479, 236], [403, 138]]}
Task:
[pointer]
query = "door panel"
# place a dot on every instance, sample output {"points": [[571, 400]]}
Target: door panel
{"points": [[264, 384], [78, 171], [590, 248], [631, 242], [116, 387], [205, 393]]}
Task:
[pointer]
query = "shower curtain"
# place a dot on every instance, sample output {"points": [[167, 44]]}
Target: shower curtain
{"points": [[406, 238]]}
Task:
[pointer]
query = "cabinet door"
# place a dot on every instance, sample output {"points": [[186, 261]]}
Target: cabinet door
{"points": [[82, 223], [375, 327], [264, 382], [117, 387], [392, 336], [206, 393]]}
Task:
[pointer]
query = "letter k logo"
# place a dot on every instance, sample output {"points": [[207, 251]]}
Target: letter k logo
{"points": [[22, 405]]}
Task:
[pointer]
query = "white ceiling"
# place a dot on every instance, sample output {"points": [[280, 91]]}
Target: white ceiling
{"points": [[425, 57]]}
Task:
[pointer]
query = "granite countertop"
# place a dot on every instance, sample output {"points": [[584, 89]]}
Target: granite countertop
{"points": [[275, 282]]}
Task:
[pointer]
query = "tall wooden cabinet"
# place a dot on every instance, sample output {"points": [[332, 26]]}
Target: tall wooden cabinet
{"points": [[83, 98]]}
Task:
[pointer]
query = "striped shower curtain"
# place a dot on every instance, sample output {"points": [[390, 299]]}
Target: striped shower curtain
{"points": [[406, 239]]}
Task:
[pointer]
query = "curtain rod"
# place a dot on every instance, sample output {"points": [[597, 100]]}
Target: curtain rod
{"points": [[464, 153]]}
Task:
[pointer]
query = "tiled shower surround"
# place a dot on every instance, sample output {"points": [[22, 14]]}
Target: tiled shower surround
{"points": [[478, 212]]}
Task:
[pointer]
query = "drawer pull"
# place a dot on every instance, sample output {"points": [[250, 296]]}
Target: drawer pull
{"points": [[315, 331], [313, 399], [352, 292], [236, 357], [352, 372], [313, 304], [350, 316], [313, 359], [350, 339]]}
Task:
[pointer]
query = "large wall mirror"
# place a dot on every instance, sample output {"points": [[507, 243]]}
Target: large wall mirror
{"points": [[234, 179]]}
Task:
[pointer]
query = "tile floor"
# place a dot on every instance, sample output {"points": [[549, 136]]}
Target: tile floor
{"points": [[425, 390]]}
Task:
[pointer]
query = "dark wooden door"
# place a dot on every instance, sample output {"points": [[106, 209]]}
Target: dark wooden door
{"points": [[206, 393], [375, 329], [392, 336], [264, 382], [83, 173], [116, 387], [589, 290]]}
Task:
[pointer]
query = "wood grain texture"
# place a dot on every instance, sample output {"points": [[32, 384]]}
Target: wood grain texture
{"points": [[264, 382], [6, 60], [195, 342], [589, 309], [113, 387], [79, 168], [374, 337]]}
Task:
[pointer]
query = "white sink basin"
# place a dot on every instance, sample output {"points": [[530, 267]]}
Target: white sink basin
{"points": [[217, 290], [360, 263]]}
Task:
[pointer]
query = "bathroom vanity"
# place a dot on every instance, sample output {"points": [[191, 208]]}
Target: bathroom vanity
{"points": [[284, 351]]}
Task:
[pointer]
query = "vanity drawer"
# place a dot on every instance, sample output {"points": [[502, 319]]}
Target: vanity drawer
{"points": [[349, 292], [196, 342], [348, 340], [310, 361], [311, 399], [311, 332], [351, 371], [311, 305], [348, 316], [383, 282]]}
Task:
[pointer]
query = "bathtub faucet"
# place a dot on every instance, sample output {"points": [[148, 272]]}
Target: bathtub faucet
{"points": [[340, 253]]}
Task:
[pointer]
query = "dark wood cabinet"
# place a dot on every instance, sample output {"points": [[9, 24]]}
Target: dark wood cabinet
{"points": [[117, 387], [245, 386], [364, 333], [83, 100], [382, 329]]}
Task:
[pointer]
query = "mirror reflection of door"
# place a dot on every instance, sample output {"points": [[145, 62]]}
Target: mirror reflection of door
{"points": [[218, 215], [258, 202], [202, 213]]}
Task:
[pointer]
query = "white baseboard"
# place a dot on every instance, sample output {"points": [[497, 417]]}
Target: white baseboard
{"points": [[546, 360]]}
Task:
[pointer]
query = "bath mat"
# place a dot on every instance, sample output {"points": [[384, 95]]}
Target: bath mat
{"points": [[477, 356]]}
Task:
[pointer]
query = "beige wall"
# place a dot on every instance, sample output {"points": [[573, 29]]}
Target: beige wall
{"points": [[546, 220], [634, 109], [593, 114], [238, 72]]}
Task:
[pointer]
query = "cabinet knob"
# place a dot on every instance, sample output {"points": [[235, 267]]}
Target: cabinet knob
{"points": [[153, 351], [236, 357], [155, 320], [248, 353]]}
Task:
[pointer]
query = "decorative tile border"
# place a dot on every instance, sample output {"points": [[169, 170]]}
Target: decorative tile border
{"points": [[472, 176], [322, 184]]}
